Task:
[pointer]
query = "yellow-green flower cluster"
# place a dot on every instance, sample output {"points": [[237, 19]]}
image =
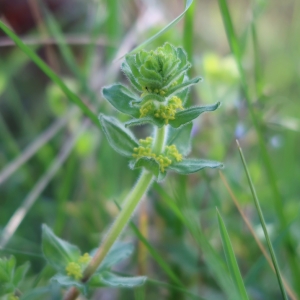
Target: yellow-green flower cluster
{"points": [[161, 111], [171, 151], [164, 160], [144, 149], [75, 269], [84, 259]]}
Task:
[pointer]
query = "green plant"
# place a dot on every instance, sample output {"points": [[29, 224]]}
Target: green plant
{"points": [[160, 88]]}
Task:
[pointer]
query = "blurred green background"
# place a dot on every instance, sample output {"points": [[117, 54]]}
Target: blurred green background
{"points": [[57, 168]]}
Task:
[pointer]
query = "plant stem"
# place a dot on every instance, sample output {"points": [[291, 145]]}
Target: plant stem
{"points": [[129, 206], [120, 223], [159, 142]]}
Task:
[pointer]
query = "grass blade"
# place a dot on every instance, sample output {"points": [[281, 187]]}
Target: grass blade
{"points": [[277, 198], [289, 290], [165, 29], [231, 260], [46, 69], [169, 286], [214, 262], [188, 33], [113, 28], [263, 224]]}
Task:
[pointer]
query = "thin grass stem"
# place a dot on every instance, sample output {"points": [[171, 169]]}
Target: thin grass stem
{"points": [[263, 224], [289, 290]]}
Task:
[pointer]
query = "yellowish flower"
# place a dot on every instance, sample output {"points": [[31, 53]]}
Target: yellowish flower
{"points": [[85, 258], [164, 160], [74, 270]]}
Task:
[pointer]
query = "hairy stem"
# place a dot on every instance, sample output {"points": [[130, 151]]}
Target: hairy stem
{"points": [[129, 206], [159, 142], [120, 223]]}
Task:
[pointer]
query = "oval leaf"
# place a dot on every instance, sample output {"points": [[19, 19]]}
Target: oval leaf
{"points": [[120, 98], [188, 166], [120, 138], [181, 138], [141, 121], [118, 252], [69, 282], [20, 274], [185, 116], [180, 87], [127, 71], [148, 163], [56, 251], [111, 280]]}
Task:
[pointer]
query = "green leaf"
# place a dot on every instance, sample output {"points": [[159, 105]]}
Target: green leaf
{"points": [[179, 77], [180, 87], [187, 166], [150, 74], [118, 252], [141, 121], [7, 267], [20, 273], [67, 281], [38, 293], [10, 276], [231, 260], [111, 280], [181, 138], [187, 115], [128, 72], [57, 252], [148, 163], [6, 288], [120, 97], [153, 96], [120, 138], [184, 93]]}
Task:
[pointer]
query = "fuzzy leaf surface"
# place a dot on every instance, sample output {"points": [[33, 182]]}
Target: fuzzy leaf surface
{"points": [[187, 115], [149, 164], [181, 138], [109, 279], [188, 166], [57, 252], [180, 87], [120, 98], [120, 138], [141, 121], [118, 252], [67, 281], [126, 69]]}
